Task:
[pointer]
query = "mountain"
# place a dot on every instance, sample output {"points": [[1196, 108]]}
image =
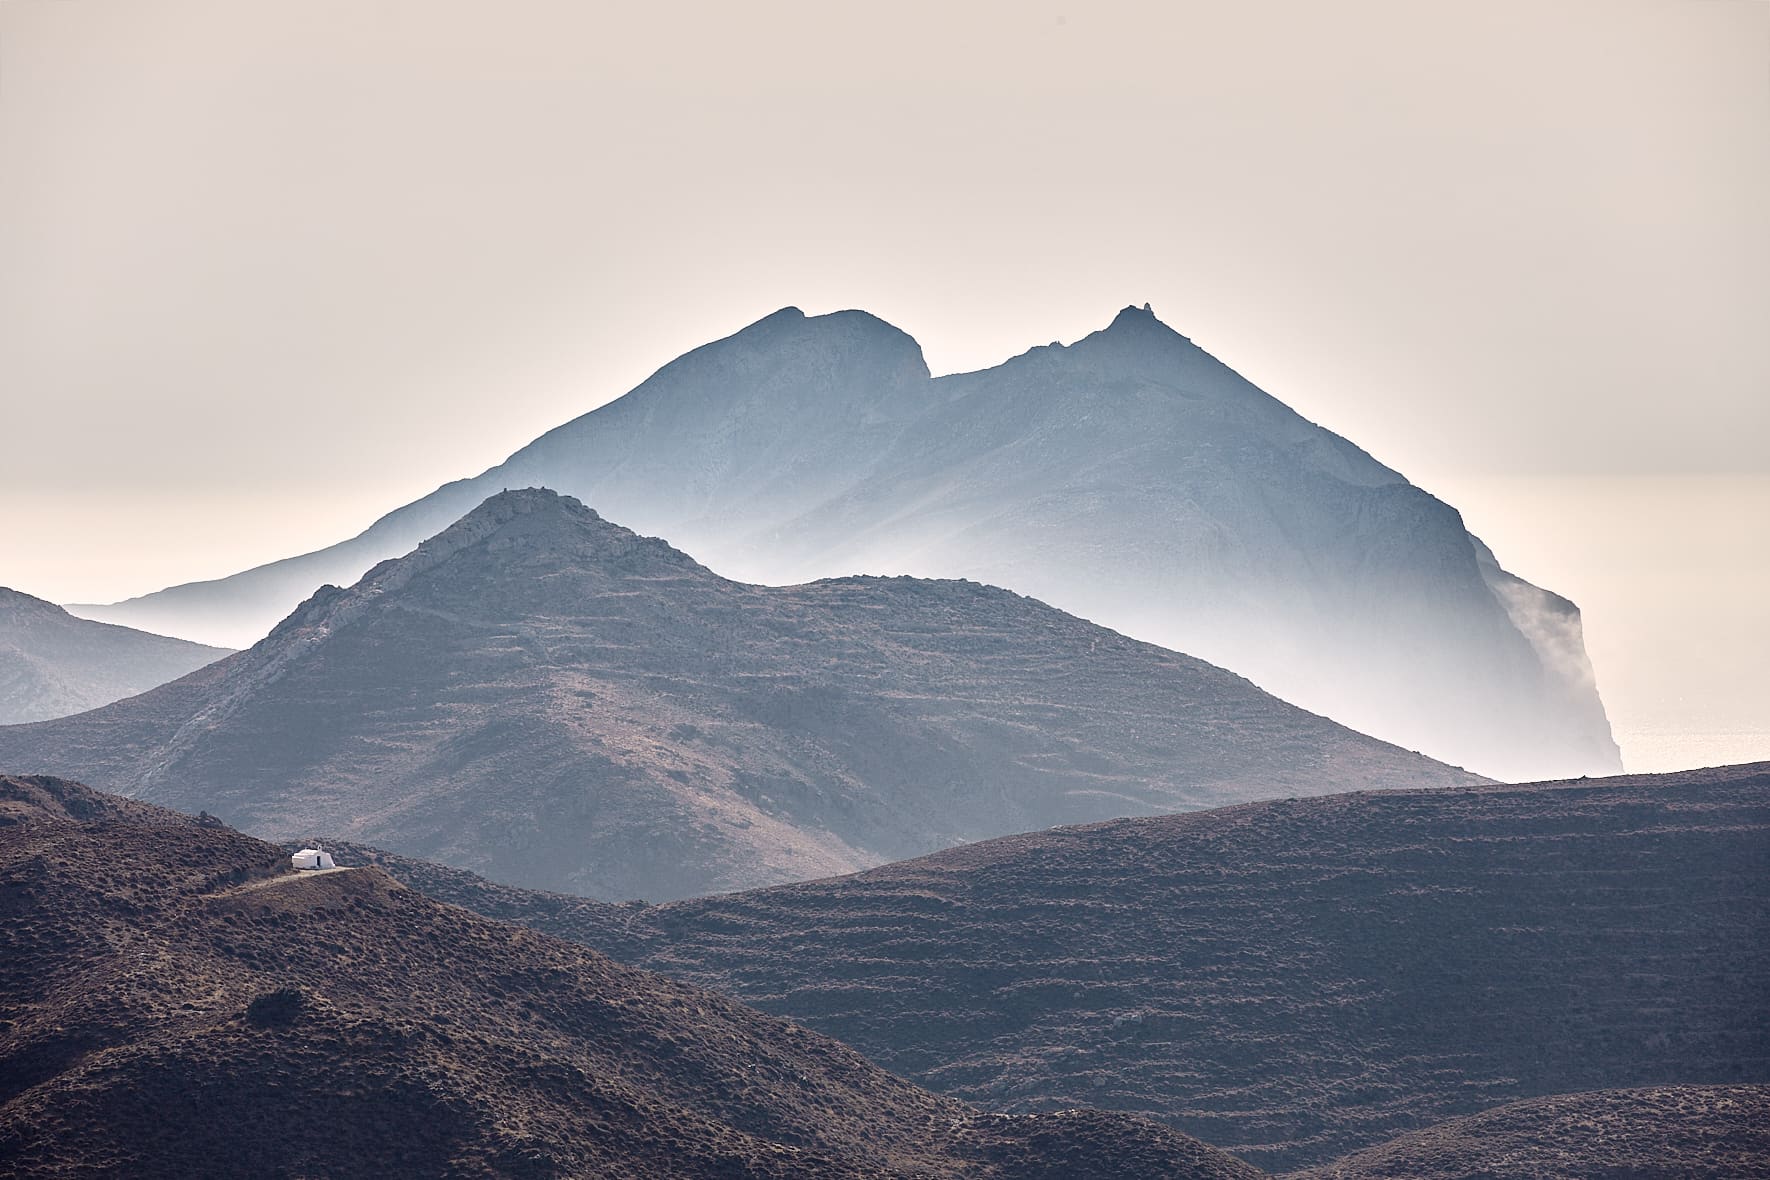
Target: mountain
{"points": [[1658, 1133], [1288, 980], [179, 1002], [53, 664], [1129, 478], [545, 697]]}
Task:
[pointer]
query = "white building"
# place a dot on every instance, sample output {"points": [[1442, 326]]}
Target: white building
{"points": [[313, 858]]}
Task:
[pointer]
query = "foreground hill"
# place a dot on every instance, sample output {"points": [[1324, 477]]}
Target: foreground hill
{"points": [[1660, 1133], [179, 1003], [1288, 980], [543, 696], [1129, 478], [53, 664]]}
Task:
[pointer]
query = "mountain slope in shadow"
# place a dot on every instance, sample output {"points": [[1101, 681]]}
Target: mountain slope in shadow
{"points": [[179, 1002], [1655, 1133], [1288, 980]]}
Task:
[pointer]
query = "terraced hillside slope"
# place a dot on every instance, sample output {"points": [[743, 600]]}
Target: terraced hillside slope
{"points": [[1289, 980], [1658, 1133], [544, 697], [178, 1002], [53, 664], [1130, 478]]}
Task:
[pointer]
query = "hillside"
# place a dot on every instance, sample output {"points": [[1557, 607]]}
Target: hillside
{"points": [[545, 697], [53, 664], [178, 1002], [1660, 1133], [1289, 980], [1130, 478]]}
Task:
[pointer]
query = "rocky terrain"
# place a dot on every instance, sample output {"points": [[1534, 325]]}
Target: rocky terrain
{"points": [[178, 1002], [1289, 980], [1130, 478], [542, 696], [53, 664], [1657, 1133]]}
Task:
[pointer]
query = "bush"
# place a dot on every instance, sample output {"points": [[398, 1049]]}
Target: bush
{"points": [[276, 1009]]}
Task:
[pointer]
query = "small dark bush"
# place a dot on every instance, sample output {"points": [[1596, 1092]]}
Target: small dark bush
{"points": [[276, 1009]]}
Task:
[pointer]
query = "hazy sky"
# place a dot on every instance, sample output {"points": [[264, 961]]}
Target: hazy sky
{"points": [[268, 269]]}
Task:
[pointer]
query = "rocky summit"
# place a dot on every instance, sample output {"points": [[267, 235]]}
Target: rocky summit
{"points": [[1130, 478], [545, 697]]}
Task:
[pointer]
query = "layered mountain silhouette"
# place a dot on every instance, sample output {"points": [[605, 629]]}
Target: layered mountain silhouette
{"points": [[1288, 980], [1130, 478], [53, 664], [545, 697], [179, 1002]]}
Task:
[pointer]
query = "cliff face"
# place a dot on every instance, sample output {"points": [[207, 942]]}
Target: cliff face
{"points": [[551, 699], [1130, 478]]}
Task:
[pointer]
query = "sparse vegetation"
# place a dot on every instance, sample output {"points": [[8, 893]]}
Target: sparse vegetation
{"points": [[276, 1009], [1290, 980], [155, 1030]]}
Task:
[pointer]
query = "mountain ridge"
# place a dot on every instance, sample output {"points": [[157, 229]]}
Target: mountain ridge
{"points": [[1130, 477], [1290, 980], [1652, 1133], [542, 694], [181, 1002], [53, 663]]}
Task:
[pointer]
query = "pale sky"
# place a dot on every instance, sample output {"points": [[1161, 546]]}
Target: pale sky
{"points": [[269, 269]]}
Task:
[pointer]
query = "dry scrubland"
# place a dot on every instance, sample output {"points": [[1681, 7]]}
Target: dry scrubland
{"points": [[1291, 980], [1656, 1133], [179, 1002]]}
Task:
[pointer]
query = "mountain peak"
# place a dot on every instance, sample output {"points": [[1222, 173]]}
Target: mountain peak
{"points": [[1139, 320], [786, 315], [524, 527], [509, 503], [520, 538]]}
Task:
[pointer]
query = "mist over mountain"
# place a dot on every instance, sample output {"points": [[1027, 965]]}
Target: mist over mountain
{"points": [[1130, 478], [1288, 980], [53, 663], [179, 1002], [546, 697]]}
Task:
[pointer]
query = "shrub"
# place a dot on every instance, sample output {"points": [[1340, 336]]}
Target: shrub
{"points": [[275, 1009]]}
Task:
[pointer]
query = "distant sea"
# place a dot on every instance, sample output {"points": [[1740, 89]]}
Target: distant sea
{"points": [[1672, 576]]}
